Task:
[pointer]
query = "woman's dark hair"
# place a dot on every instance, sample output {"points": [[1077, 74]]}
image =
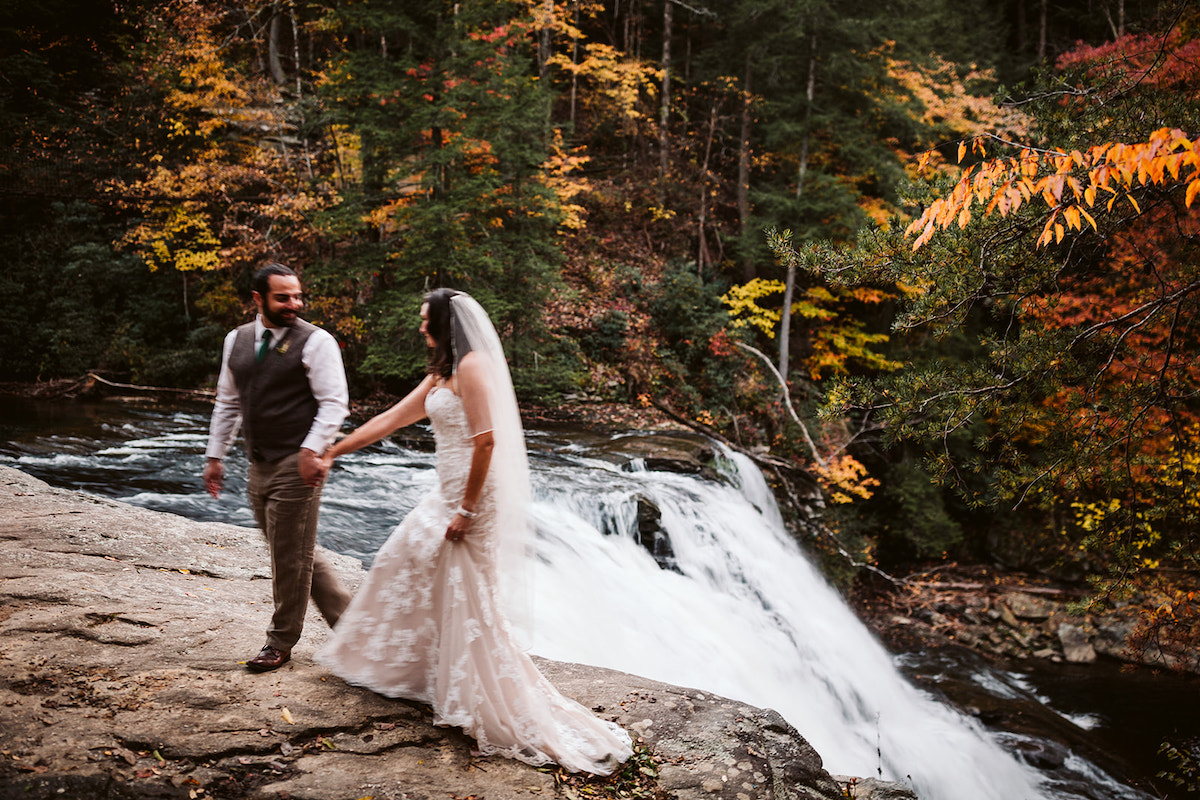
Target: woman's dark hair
{"points": [[439, 323]]}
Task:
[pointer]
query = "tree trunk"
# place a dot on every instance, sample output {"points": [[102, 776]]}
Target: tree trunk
{"points": [[274, 60], [1045, 11], [665, 111], [295, 46], [1117, 26], [442, 180], [743, 187], [785, 322], [373, 167], [574, 61], [544, 41], [809, 94], [1022, 27], [187, 311], [789, 286], [702, 256]]}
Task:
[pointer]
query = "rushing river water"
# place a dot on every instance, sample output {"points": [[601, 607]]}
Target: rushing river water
{"points": [[712, 594]]}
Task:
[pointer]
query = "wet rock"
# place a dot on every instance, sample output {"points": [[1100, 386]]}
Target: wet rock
{"points": [[1042, 754], [652, 536], [1007, 616], [1028, 607], [685, 453], [1076, 644], [1112, 636], [874, 789]]}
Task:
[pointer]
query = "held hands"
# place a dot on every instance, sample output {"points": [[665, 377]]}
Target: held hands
{"points": [[313, 468]]}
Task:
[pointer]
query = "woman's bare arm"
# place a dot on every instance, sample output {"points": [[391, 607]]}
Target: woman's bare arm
{"points": [[472, 388], [409, 410]]}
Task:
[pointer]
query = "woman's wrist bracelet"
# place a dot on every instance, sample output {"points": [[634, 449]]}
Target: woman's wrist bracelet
{"points": [[462, 512]]}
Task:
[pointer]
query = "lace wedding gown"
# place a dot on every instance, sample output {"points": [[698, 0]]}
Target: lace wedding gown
{"points": [[426, 625]]}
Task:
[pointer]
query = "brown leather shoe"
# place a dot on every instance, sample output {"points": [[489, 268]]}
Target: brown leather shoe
{"points": [[267, 660]]}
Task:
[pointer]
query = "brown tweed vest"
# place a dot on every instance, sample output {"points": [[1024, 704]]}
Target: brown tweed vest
{"points": [[278, 406]]}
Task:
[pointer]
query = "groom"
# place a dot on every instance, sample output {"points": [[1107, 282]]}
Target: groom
{"points": [[283, 383]]}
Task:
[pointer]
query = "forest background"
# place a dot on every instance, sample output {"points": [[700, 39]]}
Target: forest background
{"points": [[932, 262]]}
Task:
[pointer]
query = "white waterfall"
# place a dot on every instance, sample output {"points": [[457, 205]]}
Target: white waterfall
{"points": [[748, 617]]}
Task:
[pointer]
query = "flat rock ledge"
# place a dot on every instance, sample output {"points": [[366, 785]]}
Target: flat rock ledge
{"points": [[121, 633]]}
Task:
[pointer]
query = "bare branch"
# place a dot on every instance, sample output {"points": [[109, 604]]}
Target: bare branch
{"points": [[787, 399]]}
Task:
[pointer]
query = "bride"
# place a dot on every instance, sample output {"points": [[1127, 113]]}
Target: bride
{"points": [[429, 622]]}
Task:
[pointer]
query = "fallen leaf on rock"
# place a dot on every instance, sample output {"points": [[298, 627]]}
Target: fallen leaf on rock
{"points": [[128, 755], [286, 748], [287, 716]]}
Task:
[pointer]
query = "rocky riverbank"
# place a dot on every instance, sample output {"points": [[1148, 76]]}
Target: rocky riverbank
{"points": [[1006, 615], [121, 632]]}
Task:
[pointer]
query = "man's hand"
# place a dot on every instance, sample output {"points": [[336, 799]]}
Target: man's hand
{"points": [[312, 468], [214, 476]]}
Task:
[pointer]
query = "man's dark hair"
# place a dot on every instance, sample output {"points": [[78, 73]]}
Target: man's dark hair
{"points": [[438, 321], [262, 279]]}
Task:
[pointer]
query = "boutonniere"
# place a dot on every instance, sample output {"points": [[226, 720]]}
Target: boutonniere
{"points": [[283, 347]]}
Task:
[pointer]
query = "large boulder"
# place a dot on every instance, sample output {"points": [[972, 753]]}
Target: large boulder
{"points": [[123, 634]]}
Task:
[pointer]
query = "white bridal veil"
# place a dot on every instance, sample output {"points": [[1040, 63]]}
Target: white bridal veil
{"points": [[472, 331]]}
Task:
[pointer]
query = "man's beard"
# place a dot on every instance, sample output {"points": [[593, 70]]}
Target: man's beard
{"points": [[278, 319]]}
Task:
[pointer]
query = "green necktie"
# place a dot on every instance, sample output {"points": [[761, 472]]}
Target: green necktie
{"points": [[265, 346]]}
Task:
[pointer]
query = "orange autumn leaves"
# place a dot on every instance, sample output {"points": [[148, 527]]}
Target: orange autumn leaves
{"points": [[1072, 185]]}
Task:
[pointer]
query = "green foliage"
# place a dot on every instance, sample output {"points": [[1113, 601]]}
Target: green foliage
{"points": [[74, 304], [1184, 772], [454, 132], [608, 335], [688, 313], [915, 512]]}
